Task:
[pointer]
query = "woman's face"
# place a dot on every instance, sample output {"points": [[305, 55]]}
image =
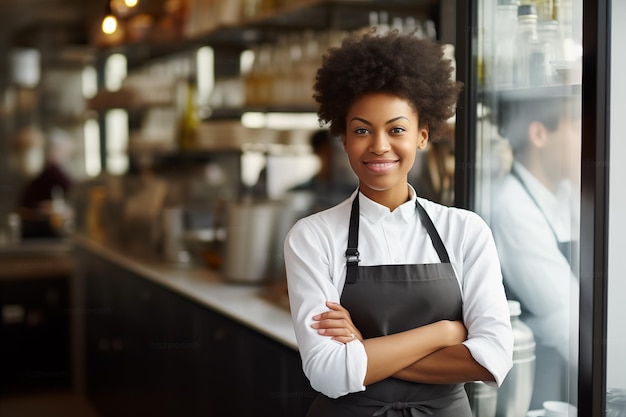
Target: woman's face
{"points": [[381, 139]]}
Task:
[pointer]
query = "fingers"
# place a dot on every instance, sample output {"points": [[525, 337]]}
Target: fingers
{"points": [[336, 323], [336, 312], [345, 339], [333, 326], [335, 306]]}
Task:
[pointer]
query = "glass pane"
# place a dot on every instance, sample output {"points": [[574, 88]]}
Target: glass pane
{"points": [[616, 308], [528, 144]]}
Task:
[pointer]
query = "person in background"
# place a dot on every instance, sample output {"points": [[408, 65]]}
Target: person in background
{"points": [[396, 301], [41, 204], [327, 187], [535, 225]]}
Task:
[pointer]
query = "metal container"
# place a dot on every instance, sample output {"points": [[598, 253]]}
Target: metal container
{"points": [[249, 253], [482, 398], [616, 402], [516, 391]]}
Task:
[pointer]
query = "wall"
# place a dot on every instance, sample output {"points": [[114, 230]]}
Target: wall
{"points": [[616, 343]]}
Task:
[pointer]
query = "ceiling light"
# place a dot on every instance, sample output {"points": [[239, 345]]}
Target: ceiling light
{"points": [[109, 24]]}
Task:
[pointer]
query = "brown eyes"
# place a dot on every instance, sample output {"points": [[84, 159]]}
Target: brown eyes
{"points": [[392, 131]]}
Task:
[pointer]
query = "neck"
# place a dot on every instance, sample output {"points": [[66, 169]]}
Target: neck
{"points": [[388, 198], [537, 168]]}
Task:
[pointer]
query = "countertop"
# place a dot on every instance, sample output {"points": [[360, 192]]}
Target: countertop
{"points": [[36, 248], [244, 303], [36, 259]]}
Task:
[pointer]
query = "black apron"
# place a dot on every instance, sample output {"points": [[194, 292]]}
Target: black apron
{"points": [[387, 299]]}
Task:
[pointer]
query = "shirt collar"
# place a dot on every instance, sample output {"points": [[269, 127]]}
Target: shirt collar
{"points": [[375, 212]]}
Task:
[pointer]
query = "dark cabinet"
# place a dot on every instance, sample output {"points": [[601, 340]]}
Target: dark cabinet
{"points": [[34, 333], [153, 352]]}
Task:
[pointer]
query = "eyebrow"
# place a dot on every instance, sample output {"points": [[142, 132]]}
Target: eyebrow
{"points": [[370, 123]]}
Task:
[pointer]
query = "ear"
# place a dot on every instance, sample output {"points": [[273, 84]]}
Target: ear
{"points": [[537, 134], [422, 139]]}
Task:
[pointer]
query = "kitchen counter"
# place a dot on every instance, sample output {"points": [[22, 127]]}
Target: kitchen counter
{"points": [[242, 303], [36, 259], [36, 247]]}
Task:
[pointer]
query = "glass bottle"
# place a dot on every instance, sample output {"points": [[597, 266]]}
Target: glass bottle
{"points": [[505, 29], [189, 119], [550, 33], [379, 21], [545, 9], [529, 60]]}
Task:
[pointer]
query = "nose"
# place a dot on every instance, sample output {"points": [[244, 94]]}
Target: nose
{"points": [[380, 143]]}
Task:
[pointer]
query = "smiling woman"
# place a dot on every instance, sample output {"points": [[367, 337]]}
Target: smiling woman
{"points": [[396, 300], [381, 138]]}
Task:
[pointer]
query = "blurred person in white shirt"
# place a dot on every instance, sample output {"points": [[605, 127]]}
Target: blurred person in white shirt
{"points": [[534, 218]]}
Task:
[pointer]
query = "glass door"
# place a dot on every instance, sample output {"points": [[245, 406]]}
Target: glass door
{"points": [[616, 285], [527, 187]]}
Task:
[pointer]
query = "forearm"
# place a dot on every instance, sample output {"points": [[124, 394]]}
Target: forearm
{"points": [[388, 355], [450, 365]]}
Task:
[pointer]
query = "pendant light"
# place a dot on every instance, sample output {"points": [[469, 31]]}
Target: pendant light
{"points": [[109, 22]]}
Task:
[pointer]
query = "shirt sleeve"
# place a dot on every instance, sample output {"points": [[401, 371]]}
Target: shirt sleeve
{"points": [[333, 368], [485, 307]]}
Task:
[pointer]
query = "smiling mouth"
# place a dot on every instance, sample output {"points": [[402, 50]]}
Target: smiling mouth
{"points": [[380, 167]]}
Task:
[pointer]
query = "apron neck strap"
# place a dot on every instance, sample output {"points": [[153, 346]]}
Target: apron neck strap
{"points": [[434, 235], [352, 252]]}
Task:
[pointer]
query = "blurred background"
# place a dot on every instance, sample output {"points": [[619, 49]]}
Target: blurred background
{"points": [[154, 153], [177, 140]]}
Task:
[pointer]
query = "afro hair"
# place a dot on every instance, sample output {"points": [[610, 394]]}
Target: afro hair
{"points": [[399, 64]]}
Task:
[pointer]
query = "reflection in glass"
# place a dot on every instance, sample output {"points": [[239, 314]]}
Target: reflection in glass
{"points": [[527, 189], [535, 225], [616, 285]]}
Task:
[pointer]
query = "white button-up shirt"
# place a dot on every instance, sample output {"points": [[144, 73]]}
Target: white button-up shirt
{"points": [[316, 270]]}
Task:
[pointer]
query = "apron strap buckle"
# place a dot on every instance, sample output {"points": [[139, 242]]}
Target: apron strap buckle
{"points": [[352, 256], [352, 265]]}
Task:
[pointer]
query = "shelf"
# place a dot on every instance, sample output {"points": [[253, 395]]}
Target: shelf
{"points": [[307, 15], [63, 120], [237, 112], [536, 93], [179, 155], [336, 14], [126, 99]]}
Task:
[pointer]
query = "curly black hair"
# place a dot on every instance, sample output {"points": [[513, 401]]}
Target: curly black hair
{"points": [[394, 63]]}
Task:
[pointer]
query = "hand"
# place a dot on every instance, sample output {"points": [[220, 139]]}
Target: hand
{"points": [[337, 324]]}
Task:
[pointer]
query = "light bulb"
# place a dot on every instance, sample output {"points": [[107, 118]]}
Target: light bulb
{"points": [[109, 24], [131, 3]]}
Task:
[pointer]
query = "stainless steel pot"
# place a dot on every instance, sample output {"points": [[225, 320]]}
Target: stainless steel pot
{"points": [[482, 398], [250, 248]]}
